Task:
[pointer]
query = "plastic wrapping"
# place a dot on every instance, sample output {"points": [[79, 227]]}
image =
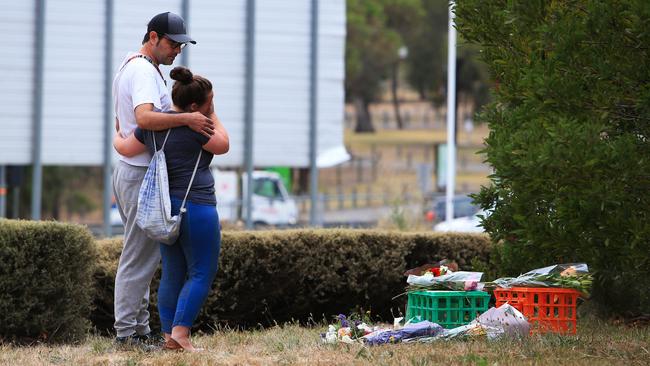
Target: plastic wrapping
{"points": [[568, 275], [506, 317], [457, 281], [409, 331], [495, 323]]}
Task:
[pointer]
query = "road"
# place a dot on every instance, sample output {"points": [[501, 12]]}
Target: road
{"points": [[365, 217]]}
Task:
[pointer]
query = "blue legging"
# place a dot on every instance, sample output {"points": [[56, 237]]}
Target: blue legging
{"points": [[189, 266]]}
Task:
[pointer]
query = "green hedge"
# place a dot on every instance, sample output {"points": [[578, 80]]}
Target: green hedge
{"points": [[56, 280], [45, 280], [275, 276]]}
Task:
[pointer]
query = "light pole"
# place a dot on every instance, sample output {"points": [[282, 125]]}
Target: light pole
{"points": [[451, 116], [402, 54]]}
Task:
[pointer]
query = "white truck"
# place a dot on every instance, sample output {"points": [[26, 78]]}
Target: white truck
{"points": [[271, 203]]}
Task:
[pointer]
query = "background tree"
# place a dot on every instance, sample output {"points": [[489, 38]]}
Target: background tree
{"points": [[569, 138], [72, 188], [377, 29], [472, 77], [370, 50], [427, 62], [427, 43], [406, 17]]}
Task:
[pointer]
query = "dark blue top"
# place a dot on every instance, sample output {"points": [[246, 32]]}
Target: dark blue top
{"points": [[181, 151]]}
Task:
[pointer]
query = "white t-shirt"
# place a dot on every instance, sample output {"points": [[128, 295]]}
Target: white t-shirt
{"points": [[134, 84]]}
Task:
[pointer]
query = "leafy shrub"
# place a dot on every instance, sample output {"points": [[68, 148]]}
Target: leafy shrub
{"points": [[45, 280], [569, 138], [103, 316], [276, 276]]}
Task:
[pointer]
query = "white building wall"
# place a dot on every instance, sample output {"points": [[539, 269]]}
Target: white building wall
{"points": [[73, 82], [16, 88], [282, 62], [130, 25], [73, 90], [331, 74], [219, 28]]}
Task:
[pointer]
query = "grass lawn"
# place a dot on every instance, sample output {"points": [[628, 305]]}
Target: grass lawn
{"points": [[597, 343]]}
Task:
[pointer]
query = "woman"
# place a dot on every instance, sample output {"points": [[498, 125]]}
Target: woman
{"points": [[189, 265]]}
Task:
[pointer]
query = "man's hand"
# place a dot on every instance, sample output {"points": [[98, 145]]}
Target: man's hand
{"points": [[199, 123]]}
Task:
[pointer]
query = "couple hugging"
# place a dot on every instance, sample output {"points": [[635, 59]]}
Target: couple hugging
{"points": [[185, 122]]}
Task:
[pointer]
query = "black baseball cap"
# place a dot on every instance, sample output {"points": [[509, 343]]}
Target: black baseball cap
{"points": [[170, 25]]}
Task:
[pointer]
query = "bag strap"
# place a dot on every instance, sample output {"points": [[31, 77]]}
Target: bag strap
{"points": [[191, 180], [139, 55], [153, 137], [119, 75], [196, 166]]}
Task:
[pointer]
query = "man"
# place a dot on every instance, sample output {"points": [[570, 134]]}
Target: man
{"points": [[141, 98]]}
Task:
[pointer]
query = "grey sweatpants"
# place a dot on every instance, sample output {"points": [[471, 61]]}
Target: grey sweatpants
{"points": [[139, 260]]}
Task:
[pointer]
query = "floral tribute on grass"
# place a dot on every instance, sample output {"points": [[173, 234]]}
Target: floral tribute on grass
{"points": [[443, 275], [496, 323], [444, 279], [348, 330], [570, 275], [353, 330]]}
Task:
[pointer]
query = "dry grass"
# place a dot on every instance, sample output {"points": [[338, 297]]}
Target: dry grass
{"points": [[597, 343]]}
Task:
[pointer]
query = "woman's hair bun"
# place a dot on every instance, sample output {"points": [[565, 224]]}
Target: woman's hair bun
{"points": [[182, 74]]}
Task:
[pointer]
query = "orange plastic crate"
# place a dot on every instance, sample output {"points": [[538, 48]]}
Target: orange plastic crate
{"points": [[547, 309]]}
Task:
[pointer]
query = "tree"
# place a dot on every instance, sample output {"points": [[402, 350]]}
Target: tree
{"points": [[406, 17], [427, 71], [62, 187], [472, 78], [427, 50], [378, 29], [569, 138], [371, 47]]}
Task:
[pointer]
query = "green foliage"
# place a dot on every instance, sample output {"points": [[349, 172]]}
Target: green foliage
{"points": [[53, 276], [472, 75], [45, 280], [108, 256], [376, 29], [398, 216], [427, 44], [70, 188], [427, 60], [370, 52], [371, 48], [569, 138], [278, 276]]}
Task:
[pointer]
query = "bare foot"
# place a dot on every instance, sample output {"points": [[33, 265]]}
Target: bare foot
{"points": [[181, 335], [172, 345], [186, 345]]}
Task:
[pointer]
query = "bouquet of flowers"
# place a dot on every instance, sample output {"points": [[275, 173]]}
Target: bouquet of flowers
{"points": [[454, 281], [348, 330], [442, 277], [570, 275]]}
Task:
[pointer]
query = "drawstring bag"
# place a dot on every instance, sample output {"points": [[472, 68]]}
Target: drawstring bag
{"points": [[153, 215]]}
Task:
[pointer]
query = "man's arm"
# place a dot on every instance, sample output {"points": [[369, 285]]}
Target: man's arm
{"points": [[147, 119]]}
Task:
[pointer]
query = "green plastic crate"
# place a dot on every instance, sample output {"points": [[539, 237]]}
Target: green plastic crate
{"points": [[450, 309]]}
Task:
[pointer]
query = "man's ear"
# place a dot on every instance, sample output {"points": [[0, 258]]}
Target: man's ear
{"points": [[194, 107], [153, 36]]}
